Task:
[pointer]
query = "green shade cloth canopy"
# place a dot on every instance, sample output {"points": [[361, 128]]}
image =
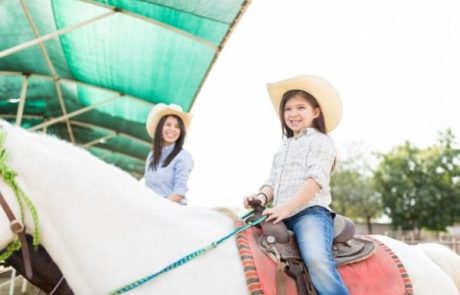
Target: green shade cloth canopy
{"points": [[89, 71]]}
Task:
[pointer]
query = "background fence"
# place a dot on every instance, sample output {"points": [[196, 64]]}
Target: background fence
{"points": [[450, 239], [451, 242]]}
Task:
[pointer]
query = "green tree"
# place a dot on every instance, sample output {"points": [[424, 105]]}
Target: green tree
{"points": [[353, 190], [420, 188]]}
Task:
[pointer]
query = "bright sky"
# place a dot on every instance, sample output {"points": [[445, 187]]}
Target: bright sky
{"points": [[396, 65]]}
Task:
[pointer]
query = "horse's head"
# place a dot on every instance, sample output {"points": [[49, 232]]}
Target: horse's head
{"points": [[16, 212], [15, 206], [12, 231]]}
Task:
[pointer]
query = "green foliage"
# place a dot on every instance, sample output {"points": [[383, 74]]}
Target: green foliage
{"points": [[354, 195], [353, 191], [420, 188]]}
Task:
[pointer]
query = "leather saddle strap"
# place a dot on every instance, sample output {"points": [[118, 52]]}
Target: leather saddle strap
{"points": [[18, 228], [297, 271], [280, 278]]}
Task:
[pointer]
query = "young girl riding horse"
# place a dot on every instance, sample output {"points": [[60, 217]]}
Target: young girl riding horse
{"points": [[298, 186]]}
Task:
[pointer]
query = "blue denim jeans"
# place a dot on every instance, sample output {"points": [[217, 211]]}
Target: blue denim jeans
{"points": [[314, 230]]}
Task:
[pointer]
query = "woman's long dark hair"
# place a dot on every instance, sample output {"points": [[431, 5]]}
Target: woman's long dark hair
{"points": [[318, 122], [158, 141]]}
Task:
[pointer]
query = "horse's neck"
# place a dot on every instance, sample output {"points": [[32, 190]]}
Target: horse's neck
{"points": [[101, 226], [91, 235]]}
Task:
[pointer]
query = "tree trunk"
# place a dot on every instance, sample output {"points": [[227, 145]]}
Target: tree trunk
{"points": [[369, 225]]}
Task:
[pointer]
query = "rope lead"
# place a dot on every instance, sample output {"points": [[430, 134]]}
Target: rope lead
{"points": [[188, 257]]}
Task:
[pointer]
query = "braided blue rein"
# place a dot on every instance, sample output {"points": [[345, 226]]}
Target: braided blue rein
{"points": [[190, 256]]}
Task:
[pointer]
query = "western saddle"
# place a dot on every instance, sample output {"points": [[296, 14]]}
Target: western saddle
{"points": [[280, 245]]}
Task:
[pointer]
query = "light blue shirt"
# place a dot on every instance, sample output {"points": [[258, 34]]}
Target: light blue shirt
{"points": [[172, 178]]}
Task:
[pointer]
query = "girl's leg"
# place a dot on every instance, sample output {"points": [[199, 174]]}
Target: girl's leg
{"points": [[314, 230]]}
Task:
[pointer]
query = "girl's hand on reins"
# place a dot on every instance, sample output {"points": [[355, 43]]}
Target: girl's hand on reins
{"points": [[277, 213]]}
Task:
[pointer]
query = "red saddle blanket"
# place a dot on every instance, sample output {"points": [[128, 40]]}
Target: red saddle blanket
{"points": [[381, 274]]}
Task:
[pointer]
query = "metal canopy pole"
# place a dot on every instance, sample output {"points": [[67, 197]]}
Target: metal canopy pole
{"points": [[94, 126], [37, 35], [157, 23], [50, 65], [73, 114], [11, 116], [134, 98], [119, 153], [22, 100], [46, 37], [57, 85], [86, 125], [99, 140]]}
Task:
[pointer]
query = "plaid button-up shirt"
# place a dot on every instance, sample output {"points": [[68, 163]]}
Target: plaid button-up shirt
{"points": [[308, 155]]}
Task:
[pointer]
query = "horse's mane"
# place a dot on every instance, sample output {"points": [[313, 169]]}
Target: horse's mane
{"points": [[445, 258]]}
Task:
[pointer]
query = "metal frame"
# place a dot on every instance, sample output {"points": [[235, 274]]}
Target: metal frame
{"points": [[93, 126], [67, 116], [157, 23], [40, 41], [86, 125], [52, 35], [80, 111], [22, 100], [66, 80], [102, 139], [112, 10]]}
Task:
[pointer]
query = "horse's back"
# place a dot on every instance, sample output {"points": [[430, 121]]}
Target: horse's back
{"points": [[426, 276], [445, 258]]}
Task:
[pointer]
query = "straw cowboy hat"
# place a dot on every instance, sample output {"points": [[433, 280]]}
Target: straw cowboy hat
{"points": [[160, 110], [320, 89]]}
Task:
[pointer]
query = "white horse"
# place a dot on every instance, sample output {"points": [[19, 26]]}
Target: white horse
{"points": [[105, 230]]}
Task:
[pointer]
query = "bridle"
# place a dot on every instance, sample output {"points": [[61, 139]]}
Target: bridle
{"points": [[17, 225], [18, 228]]}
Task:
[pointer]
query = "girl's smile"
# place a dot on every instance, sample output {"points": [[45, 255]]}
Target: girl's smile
{"points": [[299, 114]]}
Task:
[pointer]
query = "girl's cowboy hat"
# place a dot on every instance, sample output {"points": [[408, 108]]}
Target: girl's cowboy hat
{"points": [[160, 110], [320, 89]]}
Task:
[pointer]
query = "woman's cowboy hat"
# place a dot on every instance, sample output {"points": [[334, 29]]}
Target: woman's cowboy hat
{"points": [[160, 110], [320, 89]]}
